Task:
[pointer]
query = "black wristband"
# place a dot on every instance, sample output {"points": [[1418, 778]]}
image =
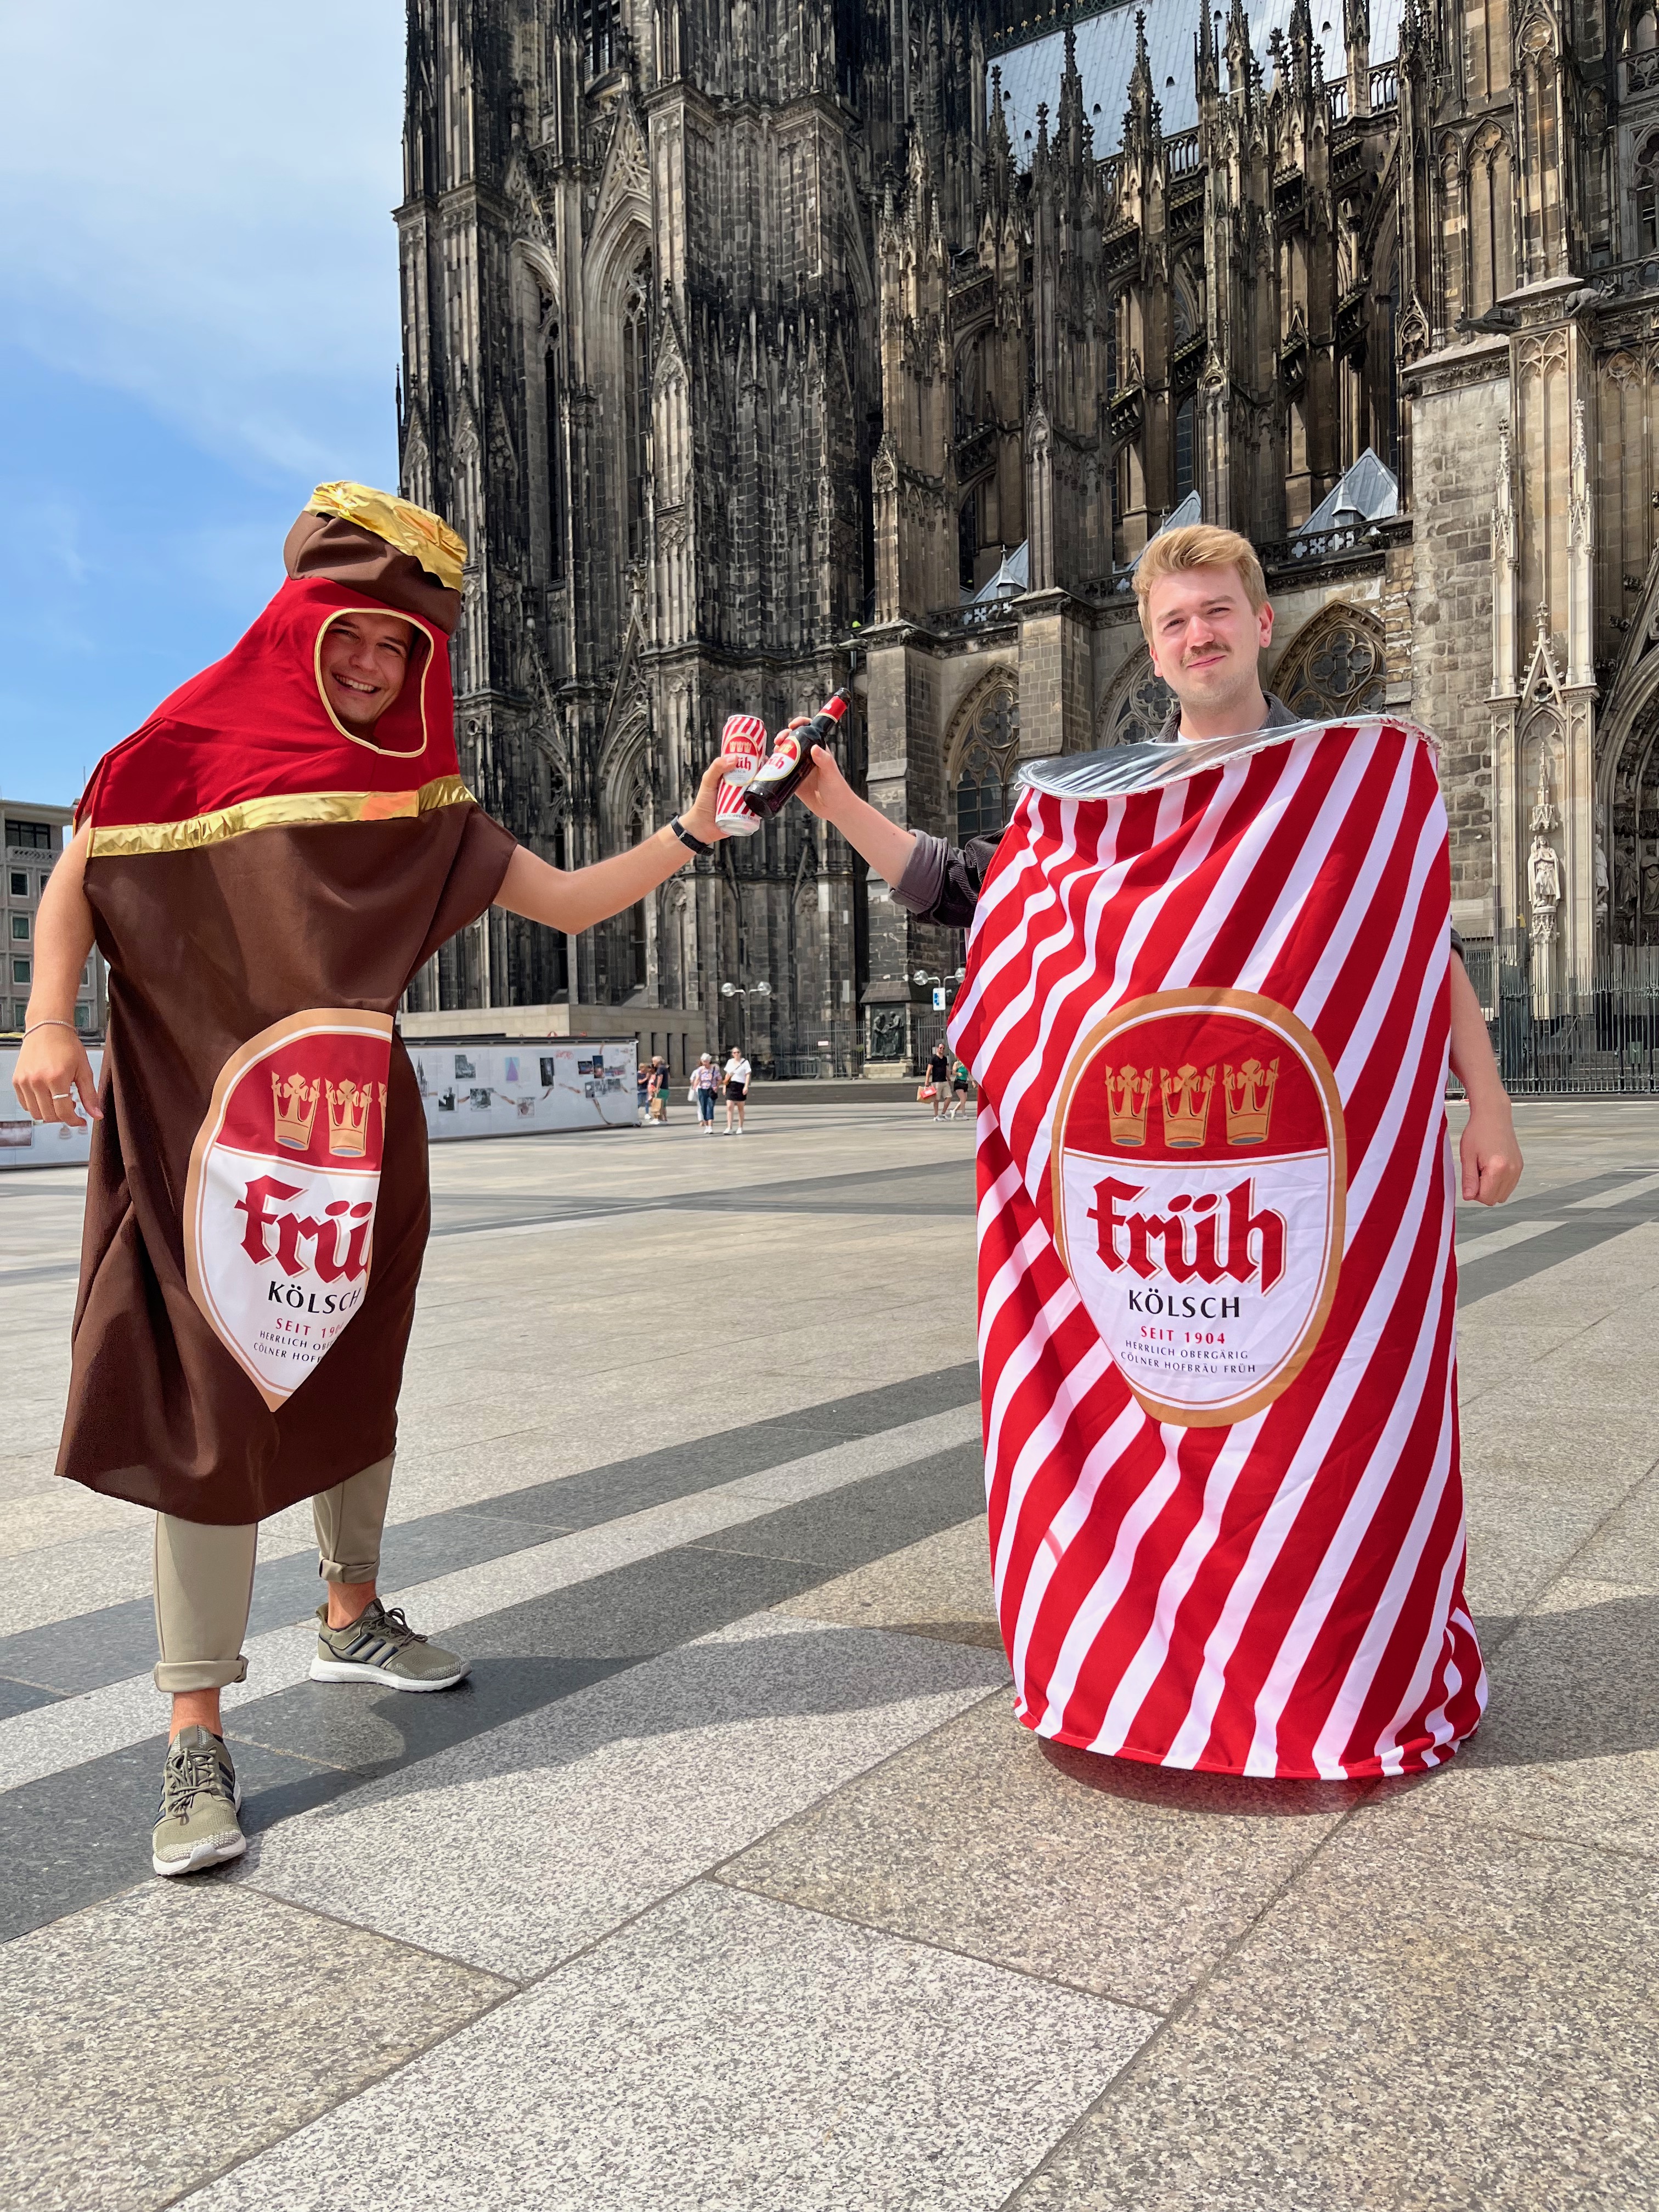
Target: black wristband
{"points": [[692, 844]]}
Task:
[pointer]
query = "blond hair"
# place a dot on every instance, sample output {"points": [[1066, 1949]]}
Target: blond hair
{"points": [[1198, 546]]}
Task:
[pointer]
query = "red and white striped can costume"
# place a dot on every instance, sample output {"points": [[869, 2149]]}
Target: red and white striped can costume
{"points": [[1206, 1008]]}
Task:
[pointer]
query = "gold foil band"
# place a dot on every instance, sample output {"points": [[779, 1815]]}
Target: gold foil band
{"points": [[424, 536], [302, 810]]}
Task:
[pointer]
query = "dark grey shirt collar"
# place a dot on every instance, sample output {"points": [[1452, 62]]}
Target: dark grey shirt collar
{"points": [[1280, 717]]}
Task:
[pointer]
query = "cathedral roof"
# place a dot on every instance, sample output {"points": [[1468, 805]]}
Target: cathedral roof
{"points": [[1106, 55]]}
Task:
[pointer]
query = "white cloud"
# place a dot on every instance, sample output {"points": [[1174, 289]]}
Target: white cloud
{"points": [[195, 209]]}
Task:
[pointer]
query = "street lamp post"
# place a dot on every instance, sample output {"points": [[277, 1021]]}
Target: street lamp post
{"points": [[740, 991]]}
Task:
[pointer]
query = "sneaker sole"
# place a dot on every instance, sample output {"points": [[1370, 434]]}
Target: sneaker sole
{"points": [[204, 1855], [348, 1670]]}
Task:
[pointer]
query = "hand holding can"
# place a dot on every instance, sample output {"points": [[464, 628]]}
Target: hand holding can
{"points": [[745, 734]]}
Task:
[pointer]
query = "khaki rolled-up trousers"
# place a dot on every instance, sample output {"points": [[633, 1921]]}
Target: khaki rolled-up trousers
{"points": [[205, 1578]]}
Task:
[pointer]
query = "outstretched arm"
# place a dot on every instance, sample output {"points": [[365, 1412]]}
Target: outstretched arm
{"points": [[574, 899], [52, 1065], [1489, 1153]]}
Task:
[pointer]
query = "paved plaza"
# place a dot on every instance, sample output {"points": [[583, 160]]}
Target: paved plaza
{"points": [[727, 1883]]}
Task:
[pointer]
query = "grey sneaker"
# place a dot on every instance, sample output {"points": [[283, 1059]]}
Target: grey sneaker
{"points": [[197, 1826], [380, 1646]]}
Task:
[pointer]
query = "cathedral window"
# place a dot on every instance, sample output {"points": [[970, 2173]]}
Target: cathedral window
{"points": [[1138, 706], [969, 390], [599, 26], [1185, 428], [1335, 667], [1645, 188], [637, 405], [985, 764], [1492, 224]]}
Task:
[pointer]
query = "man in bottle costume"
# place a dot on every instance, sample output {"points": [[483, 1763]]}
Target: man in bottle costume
{"points": [[264, 864], [1209, 1004]]}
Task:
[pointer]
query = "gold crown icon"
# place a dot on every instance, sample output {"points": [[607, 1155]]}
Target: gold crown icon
{"points": [[1186, 1105], [1128, 1090], [348, 1118], [1250, 1100], [295, 1109]]}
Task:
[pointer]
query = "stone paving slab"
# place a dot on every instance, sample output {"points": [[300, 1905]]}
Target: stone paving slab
{"points": [[162, 2037], [1569, 1747], [1096, 1873], [1625, 1549], [516, 1847], [1436, 2015], [940, 1585], [724, 2052], [1519, 1541]]}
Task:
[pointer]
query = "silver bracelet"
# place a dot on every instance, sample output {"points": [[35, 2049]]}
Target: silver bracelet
{"points": [[50, 1022]]}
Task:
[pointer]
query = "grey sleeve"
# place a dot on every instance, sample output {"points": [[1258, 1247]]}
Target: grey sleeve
{"points": [[941, 883], [923, 880], [1457, 947]]}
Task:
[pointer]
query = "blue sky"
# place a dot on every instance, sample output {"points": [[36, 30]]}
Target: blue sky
{"points": [[199, 321]]}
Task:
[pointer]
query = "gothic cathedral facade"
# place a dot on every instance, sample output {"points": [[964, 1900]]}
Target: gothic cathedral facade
{"points": [[763, 346]]}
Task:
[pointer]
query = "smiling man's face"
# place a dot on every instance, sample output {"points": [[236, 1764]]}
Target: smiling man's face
{"points": [[1205, 639], [365, 659]]}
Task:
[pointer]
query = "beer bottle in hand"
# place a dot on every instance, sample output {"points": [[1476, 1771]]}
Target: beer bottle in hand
{"points": [[790, 760]]}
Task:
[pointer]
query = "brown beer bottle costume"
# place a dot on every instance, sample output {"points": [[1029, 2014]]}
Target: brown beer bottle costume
{"points": [[263, 883]]}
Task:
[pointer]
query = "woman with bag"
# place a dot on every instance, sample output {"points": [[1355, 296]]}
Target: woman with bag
{"points": [[939, 1074], [657, 1089], [705, 1082]]}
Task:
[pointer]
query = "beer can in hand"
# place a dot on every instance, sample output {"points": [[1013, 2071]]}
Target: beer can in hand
{"points": [[745, 734]]}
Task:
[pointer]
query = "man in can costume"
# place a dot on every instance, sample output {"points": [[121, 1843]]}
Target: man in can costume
{"points": [[264, 864], [1210, 1001]]}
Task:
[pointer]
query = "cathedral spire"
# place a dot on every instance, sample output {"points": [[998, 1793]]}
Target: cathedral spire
{"points": [[1279, 56], [1357, 47], [1207, 66], [1071, 125], [1238, 50], [1143, 124], [1302, 51], [999, 150]]}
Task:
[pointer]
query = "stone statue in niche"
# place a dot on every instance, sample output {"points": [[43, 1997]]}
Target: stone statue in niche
{"points": [[1601, 885], [1624, 878], [1544, 883]]}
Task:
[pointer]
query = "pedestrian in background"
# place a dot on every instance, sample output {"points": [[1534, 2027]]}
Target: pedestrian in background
{"points": [[705, 1082], [657, 1090], [939, 1074], [960, 1082], [734, 1080], [643, 1093]]}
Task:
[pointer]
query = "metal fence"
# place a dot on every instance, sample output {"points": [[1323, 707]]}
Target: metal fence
{"points": [[1570, 1038]]}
